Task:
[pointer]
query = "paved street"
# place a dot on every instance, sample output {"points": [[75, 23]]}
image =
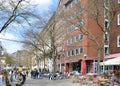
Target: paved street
{"points": [[46, 82]]}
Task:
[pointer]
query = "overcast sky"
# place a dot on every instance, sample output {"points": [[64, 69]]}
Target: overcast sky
{"points": [[11, 47]]}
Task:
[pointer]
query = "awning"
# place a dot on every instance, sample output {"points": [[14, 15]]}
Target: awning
{"points": [[111, 56], [114, 61]]}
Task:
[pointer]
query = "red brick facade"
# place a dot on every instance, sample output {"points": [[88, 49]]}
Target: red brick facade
{"points": [[75, 49]]}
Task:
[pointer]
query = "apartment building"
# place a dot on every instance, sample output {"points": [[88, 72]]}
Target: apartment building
{"points": [[114, 35], [89, 26], [82, 35]]}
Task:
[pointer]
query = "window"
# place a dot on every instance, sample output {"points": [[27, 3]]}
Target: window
{"points": [[69, 6], [69, 17], [81, 9], [106, 23], [106, 49], [118, 1], [73, 39], [60, 2], [72, 27], [81, 22], [106, 36], [69, 41], [69, 30], [119, 19], [118, 41], [76, 51], [73, 3], [81, 50], [77, 24], [81, 36], [76, 38], [72, 52], [72, 15], [76, 1], [77, 11]]}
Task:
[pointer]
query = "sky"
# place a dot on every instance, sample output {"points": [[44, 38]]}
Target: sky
{"points": [[10, 46]]}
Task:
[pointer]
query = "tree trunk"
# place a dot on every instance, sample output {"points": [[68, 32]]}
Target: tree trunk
{"points": [[54, 64], [99, 58]]}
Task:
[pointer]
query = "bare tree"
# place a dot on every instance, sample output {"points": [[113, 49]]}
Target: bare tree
{"points": [[15, 12]]}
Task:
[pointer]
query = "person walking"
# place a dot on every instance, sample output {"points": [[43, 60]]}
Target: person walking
{"points": [[19, 79], [11, 76], [24, 77]]}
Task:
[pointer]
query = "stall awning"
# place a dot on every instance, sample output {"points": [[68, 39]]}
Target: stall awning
{"points": [[114, 61]]}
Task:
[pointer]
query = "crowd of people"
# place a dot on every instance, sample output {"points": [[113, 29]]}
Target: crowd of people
{"points": [[35, 74]]}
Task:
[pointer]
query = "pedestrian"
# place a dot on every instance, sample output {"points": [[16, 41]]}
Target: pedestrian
{"points": [[24, 77], [11, 76], [40, 75], [19, 79], [27, 73]]}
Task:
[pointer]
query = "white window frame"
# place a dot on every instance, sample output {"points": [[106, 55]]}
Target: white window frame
{"points": [[106, 36], [76, 53], [118, 1], [73, 39], [118, 18], [76, 1], [76, 38], [80, 50], [118, 42], [80, 36], [108, 23], [106, 46]]}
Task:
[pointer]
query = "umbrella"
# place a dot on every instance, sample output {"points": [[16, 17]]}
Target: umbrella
{"points": [[83, 67]]}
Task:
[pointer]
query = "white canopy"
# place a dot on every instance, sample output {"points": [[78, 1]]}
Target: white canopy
{"points": [[114, 61]]}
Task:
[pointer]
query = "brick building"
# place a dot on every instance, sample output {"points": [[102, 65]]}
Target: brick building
{"points": [[82, 28]]}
